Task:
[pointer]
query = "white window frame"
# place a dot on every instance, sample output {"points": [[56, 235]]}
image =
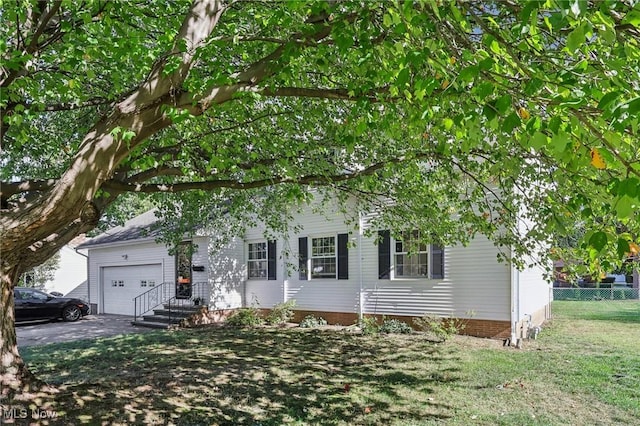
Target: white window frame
{"points": [[257, 261], [320, 256], [423, 249]]}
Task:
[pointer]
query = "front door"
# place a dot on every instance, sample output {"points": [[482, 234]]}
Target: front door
{"points": [[183, 270]]}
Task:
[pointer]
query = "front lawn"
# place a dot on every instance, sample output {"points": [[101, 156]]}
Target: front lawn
{"points": [[584, 369]]}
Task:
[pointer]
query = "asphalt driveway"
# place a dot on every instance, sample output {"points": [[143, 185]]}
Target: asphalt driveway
{"points": [[89, 327]]}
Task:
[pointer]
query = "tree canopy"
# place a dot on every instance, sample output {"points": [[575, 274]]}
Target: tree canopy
{"points": [[431, 104], [457, 112]]}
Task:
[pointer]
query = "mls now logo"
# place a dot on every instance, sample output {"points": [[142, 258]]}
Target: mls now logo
{"points": [[17, 412]]}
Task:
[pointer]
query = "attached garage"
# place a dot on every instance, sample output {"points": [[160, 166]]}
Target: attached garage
{"points": [[121, 284]]}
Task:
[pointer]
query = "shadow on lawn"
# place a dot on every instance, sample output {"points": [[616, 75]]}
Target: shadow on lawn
{"points": [[264, 376]]}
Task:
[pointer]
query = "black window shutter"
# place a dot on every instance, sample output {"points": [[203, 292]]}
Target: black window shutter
{"points": [[384, 255], [343, 257], [271, 259], [437, 262], [302, 257]]}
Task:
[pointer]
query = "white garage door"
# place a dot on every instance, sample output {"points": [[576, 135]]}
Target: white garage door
{"points": [[121, 284]]}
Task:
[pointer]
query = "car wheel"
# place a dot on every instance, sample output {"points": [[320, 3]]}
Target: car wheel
{"points": [[71, 313]]}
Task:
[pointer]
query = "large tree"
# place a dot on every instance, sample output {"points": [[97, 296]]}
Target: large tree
{"points": [[455, 113]]}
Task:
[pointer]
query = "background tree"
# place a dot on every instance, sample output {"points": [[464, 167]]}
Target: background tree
{"points": [[456, 113], [40, 275]]}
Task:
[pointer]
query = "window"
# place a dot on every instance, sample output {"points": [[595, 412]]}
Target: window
{"points": [[152, 283], [407, 257], [329, 257], [117, 283], [257, 263], [411, 256], [323, 257], [143, 283], [261, 260]]}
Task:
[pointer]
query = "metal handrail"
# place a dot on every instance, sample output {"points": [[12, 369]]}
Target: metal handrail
{"points": [[164, 294], [152, 298], [198, 292]]}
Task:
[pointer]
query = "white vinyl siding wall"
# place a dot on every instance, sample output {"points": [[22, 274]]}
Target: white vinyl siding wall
{"points": [[137, 253], [474, 280], [264, 293], [227, 272]]}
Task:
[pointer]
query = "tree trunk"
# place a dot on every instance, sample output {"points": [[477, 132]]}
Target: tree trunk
{"points": [[14, 376]]}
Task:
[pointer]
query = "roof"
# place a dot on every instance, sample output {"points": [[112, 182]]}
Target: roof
{"points": [[140, 227]]}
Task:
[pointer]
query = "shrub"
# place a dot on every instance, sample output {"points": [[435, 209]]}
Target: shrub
{"points": [[281, 313], [311, 322], [246, 317], [441, 328], [394, 326], [369, 325]]}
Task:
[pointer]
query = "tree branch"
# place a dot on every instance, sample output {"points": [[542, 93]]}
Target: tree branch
{"points": [[236, 184], [11, 188]]}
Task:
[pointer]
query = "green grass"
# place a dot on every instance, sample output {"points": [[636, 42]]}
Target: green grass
{"points": [[583, 369]]}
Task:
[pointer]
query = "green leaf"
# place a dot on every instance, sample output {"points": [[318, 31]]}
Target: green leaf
{"points": [[128, 135], [403, 77], [559, 142], [469, 73], [633, 18], [489, 111], [575, 39], [623, 247], [629, 187], [608, 35], [486, 64], [448, 123], [511, 122], [503, 104], [608, 99], [633, 106], [598, 240], [625, 207], [538, 140]]}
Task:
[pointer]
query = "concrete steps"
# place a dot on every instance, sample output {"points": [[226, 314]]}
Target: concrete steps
{"points": [[166, 316]]}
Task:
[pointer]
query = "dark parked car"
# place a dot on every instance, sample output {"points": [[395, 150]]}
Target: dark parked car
{"points": [[32, 304]]}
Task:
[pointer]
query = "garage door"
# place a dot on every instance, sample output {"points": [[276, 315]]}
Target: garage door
{"points": [[121, 284]]}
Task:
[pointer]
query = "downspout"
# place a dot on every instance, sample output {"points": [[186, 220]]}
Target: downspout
{"points": [[285, 262], [360, 279], [515, 300], [88, 282]]}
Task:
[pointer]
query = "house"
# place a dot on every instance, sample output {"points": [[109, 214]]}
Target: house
{"points": [[330, 269], [70, 276]]}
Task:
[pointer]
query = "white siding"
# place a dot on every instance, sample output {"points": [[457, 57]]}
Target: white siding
{"points": [[71, 272], [127, 254], [475, 284], [261, 292], [227, 275], [331, 295], [474, 280], [80, 292], [534, 291], [264, 293]]}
